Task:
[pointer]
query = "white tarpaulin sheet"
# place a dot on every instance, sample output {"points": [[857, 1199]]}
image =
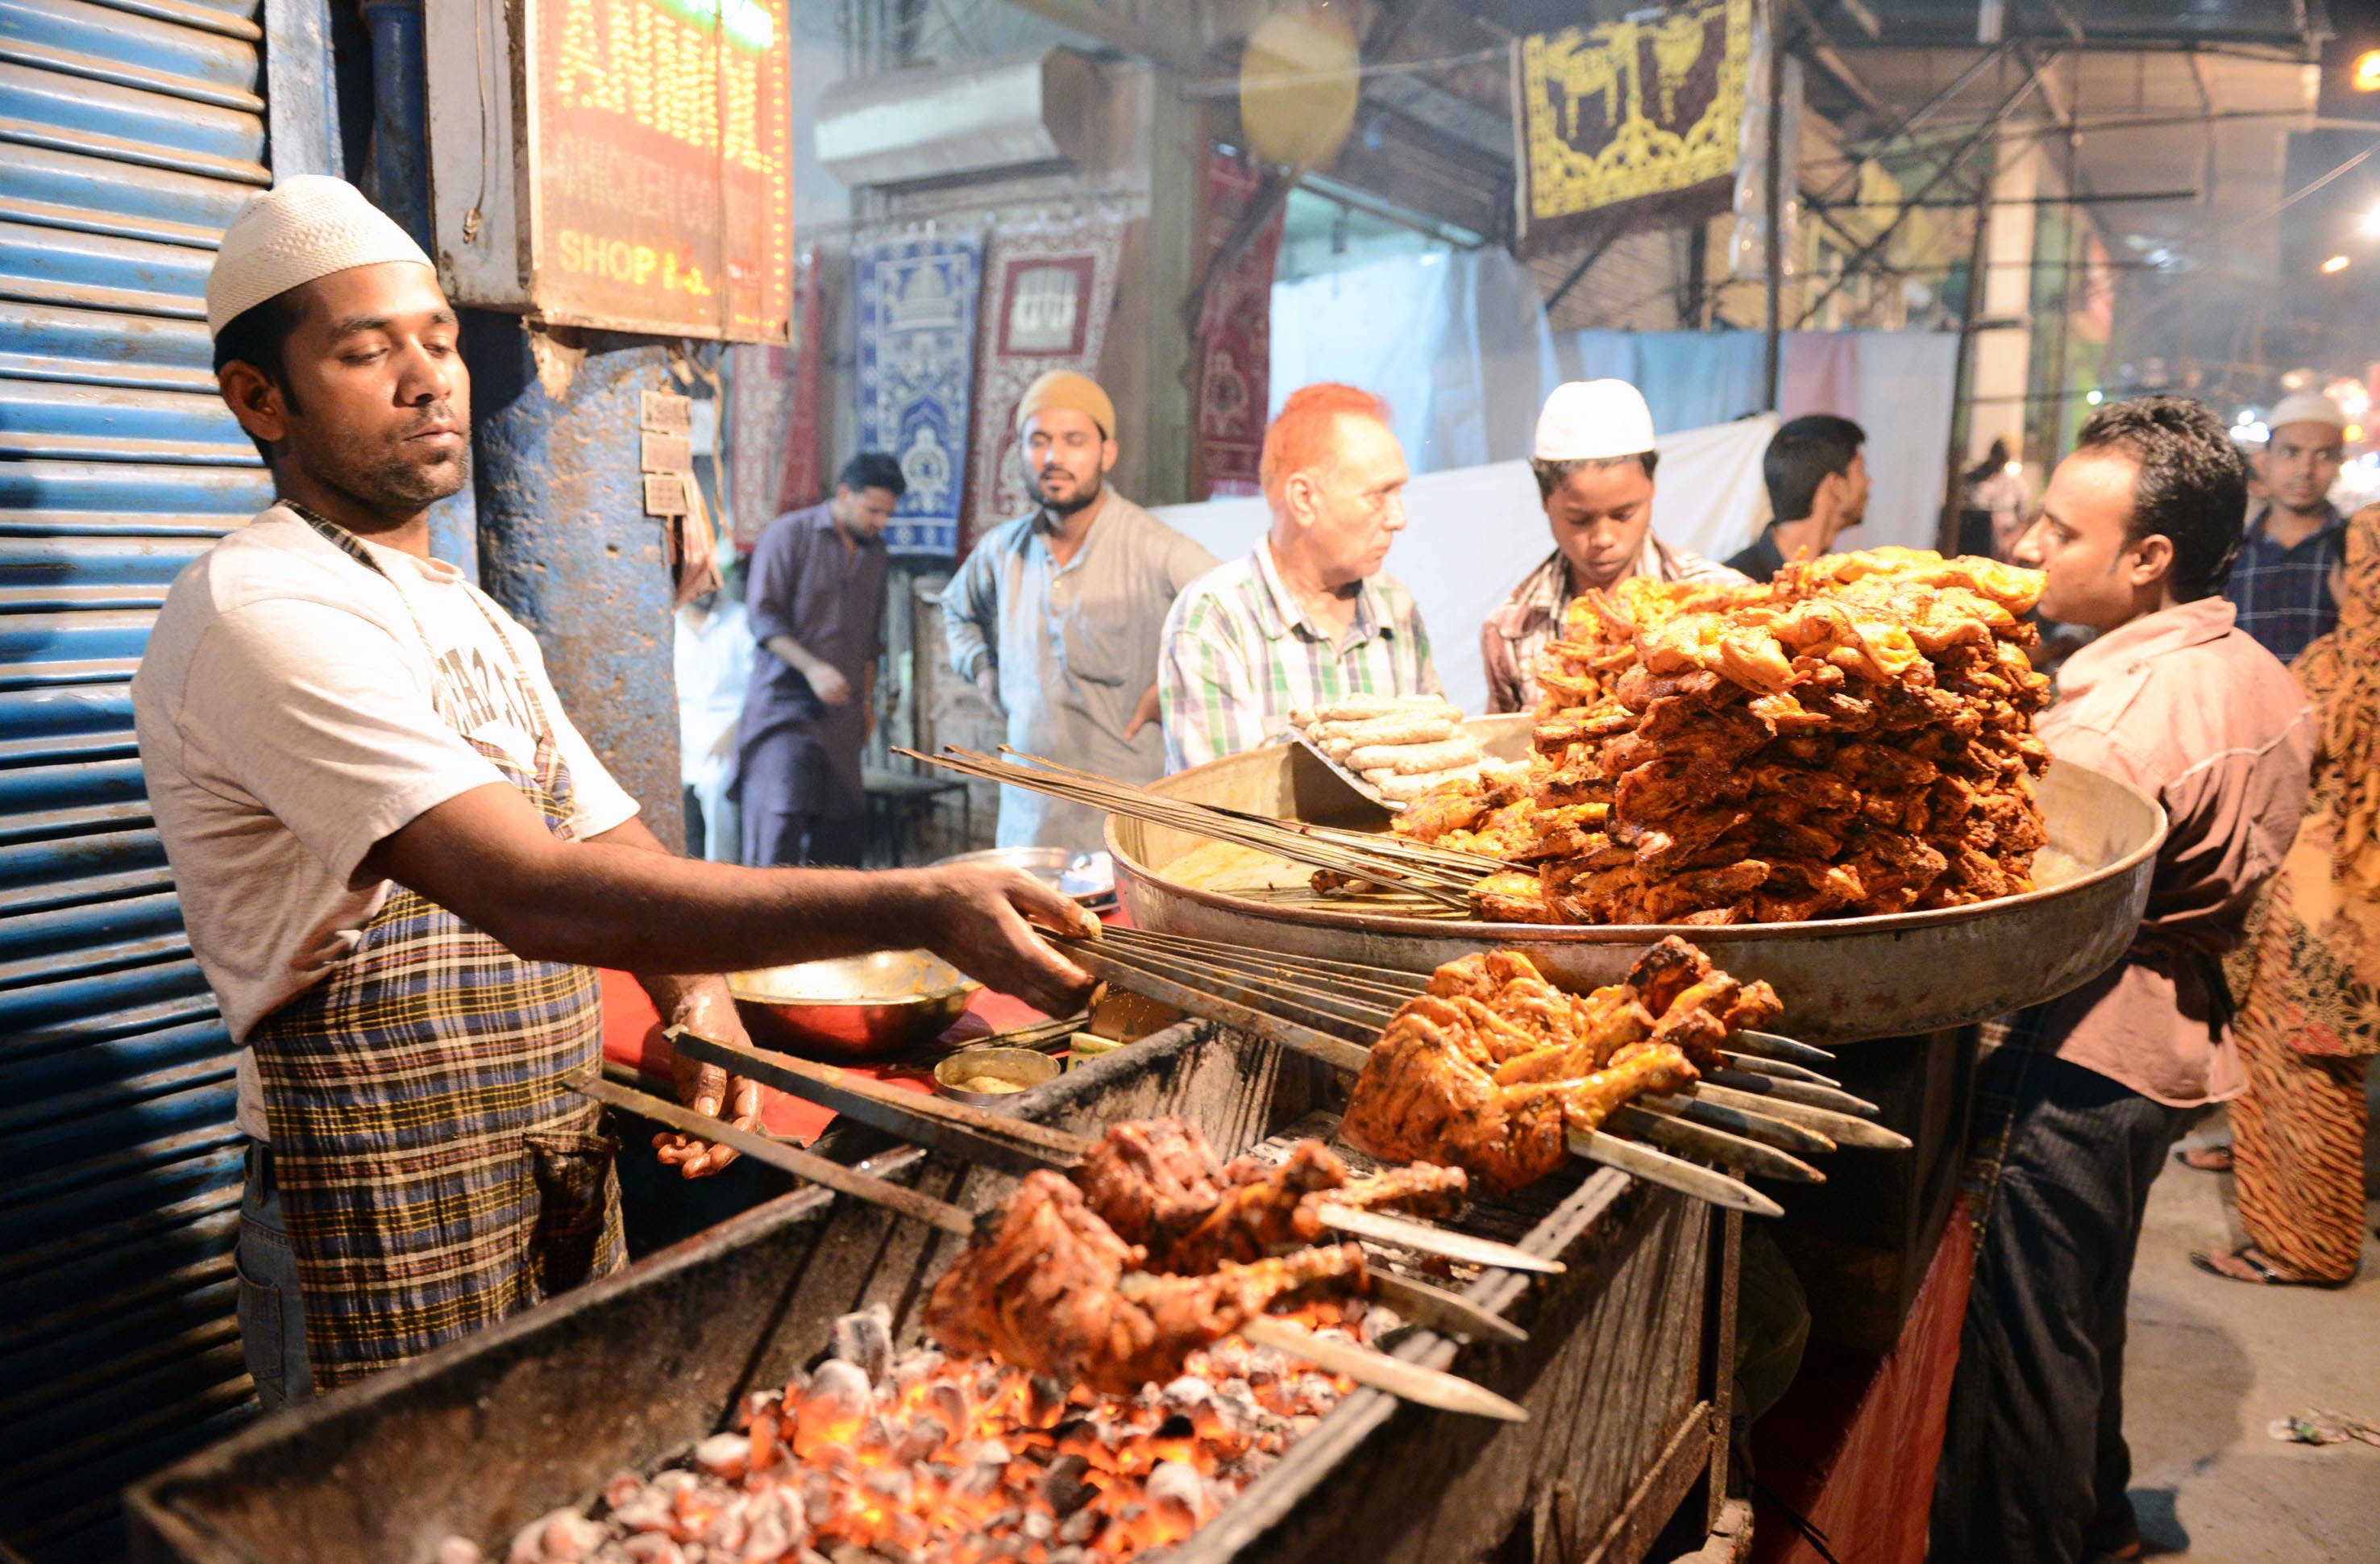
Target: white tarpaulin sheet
{"points": [[1473, 533]]}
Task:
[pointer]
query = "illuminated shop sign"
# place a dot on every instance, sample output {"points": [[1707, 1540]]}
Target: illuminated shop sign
{"points": [[656, 192]]}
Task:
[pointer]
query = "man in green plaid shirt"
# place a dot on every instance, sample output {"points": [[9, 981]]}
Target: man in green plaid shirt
{"points": [[1306, 618]]}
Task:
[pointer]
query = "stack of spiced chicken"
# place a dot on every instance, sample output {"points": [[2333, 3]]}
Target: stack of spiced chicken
{"points": [[1855, 737]]}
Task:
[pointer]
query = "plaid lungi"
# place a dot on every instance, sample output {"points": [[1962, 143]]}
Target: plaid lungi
{"points": [[436, 1170]]}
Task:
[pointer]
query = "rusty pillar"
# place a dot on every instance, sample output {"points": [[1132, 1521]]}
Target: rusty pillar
{"points": [[564, 543]]}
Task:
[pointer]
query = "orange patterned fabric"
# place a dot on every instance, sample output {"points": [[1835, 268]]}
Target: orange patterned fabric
{"points": [[2297, 1152]]}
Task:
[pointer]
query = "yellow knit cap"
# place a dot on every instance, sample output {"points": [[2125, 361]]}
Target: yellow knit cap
{"points": [[1065, 388]]}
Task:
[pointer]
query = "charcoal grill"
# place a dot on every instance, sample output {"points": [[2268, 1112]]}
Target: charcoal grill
{"points": [[1624, 1373]]}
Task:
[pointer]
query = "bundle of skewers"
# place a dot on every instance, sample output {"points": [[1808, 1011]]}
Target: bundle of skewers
{"points": [[1429, 876], [1668, 1075]]}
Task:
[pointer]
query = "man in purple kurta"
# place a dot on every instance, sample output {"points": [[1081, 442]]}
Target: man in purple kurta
{"points": [[816, 606]]}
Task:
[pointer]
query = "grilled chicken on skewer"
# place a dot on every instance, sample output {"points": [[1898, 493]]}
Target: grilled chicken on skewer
{"points": [[1164, 1313], [1018, 1145]]}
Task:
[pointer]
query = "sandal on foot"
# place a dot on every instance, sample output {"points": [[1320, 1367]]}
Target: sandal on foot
{"points": [[2204, 1159], [2267, 1274]]}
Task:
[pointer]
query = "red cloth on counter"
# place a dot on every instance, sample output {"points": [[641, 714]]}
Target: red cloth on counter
{"points": [[1854, 1445]]}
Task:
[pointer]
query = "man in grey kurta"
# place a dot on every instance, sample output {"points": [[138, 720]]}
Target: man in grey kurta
{"points": [[1057, 616]]}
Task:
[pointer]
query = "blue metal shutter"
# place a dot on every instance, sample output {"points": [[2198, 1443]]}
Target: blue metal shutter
{"points": [[130, 131]]}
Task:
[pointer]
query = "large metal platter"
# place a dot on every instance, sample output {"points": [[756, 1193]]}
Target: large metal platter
{"points": [[1841, 978]]}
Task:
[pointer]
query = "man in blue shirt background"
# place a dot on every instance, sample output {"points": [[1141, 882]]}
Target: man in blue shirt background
{"points": [[2281, 585]]}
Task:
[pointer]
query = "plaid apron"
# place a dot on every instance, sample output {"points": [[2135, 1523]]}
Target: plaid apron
{"points": [[436, 1172]]}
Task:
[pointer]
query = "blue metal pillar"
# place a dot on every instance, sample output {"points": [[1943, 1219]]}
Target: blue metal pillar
{"points": [[398, 182], [566, 547]]}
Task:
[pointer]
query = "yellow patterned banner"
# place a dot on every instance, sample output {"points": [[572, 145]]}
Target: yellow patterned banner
{"points": [[1631, 111]]}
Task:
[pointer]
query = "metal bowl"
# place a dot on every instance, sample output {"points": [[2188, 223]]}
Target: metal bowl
{"points": [[857, 1008], [1841, 978], [1023, 1069], [1087, 877]]}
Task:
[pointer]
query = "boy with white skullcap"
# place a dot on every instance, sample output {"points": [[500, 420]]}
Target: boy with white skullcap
{"points": [[1594, 460], [398, 861]]}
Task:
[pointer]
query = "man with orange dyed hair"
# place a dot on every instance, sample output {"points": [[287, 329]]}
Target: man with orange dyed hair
{"points": [[1306, 618]]}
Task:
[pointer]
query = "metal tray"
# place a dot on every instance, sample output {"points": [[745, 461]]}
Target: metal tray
{"points": [[1078, 875], [1842, 979]]}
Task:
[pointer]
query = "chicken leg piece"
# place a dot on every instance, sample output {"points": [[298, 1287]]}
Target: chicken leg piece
{"points": [[1048, 1287], [1157, 1183]]}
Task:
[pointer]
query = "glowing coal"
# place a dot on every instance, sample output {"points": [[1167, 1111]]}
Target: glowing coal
{"points": [[879, 1457]]}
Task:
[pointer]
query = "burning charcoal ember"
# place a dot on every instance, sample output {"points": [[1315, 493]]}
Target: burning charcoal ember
{"points": [[650, 1547], [1178, 1483], [724, 1536], [1081, 1526], [865, 1341], [916, 1368], [1038, 1526], [1187, 1392], [1063, 1488], [948, 1403], [563, 1536], [926, 1434], [724, 1456]]}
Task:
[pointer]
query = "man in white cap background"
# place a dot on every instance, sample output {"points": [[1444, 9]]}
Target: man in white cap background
{"points": [[2281, 585], [1056, 615], [1594, 460], [398, 861]]}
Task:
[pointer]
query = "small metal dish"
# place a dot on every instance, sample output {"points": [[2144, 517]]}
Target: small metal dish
{"points": [[1016, 1069], [1089, 878], [855, 1009]]}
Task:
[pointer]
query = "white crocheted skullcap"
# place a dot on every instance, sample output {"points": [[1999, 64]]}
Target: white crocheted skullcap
{"points": [[1594, 421], [304, 227]]}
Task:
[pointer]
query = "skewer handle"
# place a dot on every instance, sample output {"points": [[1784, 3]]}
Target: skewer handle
{"points": [[1838, 1126], [834, 1176], [1439, 1310], [1768, 1045], [1759, 1084], [1641, 1161], [1404, 1232], [1714, 1145], [1365, 1365]]}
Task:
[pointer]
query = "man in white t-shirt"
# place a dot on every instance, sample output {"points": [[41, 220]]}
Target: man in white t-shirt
{"points": [[399, 862]]}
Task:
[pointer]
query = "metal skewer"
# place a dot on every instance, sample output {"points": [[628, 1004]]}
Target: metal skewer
{"points": [[1366, 1365], [1757, 1127], [1020, 1146], [1759, 1084], [1757, 1064], [1838, 1126], [1375, 862], [1679, 1135], [1641, 1161], [1760, 1052]]}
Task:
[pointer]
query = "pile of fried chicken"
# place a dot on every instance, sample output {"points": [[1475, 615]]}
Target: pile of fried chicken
{"points": [[1493, 1067], [1154, 1247], [1855, 737]]}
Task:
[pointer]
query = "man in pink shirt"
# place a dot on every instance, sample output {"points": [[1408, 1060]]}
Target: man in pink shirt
{"points": [[2137, 535]]}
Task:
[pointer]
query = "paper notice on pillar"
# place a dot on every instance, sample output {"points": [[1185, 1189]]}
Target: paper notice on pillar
{"points": [[916, 304], [1234, 343], [1630, 124], [1048, 284]]}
